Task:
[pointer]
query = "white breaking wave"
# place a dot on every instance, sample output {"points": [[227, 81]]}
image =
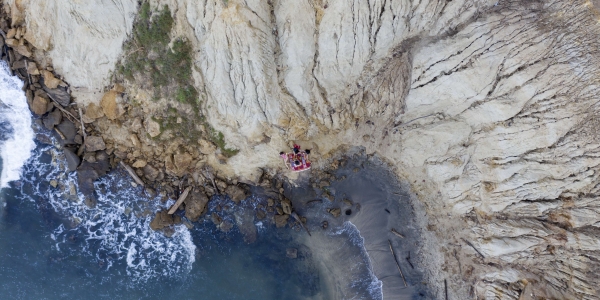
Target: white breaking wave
{"points": [[15, 123], [116, 232], [373, 285]]}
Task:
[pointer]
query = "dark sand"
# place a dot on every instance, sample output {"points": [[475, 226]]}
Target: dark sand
{"points": [[377, 204]]}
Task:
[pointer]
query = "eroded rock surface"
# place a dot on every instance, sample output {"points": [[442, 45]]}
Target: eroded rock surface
{"points": [[488, 109]]}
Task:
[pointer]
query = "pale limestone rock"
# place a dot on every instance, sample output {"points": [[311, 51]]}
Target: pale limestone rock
{"points": [[94, 143], [11, 33], [152, 127], [32, 68], [83, 38], [94, 112], [111, 105], [178, 164], [49, 79], [12, 42], [23, 50], [182, 161], [140, 163], [206, 147], [488, 109], [40, 105]]}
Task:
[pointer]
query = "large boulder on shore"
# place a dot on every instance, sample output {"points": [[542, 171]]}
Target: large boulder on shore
{"points": [[111, 105], [92, 112], [39, 106], [67, 128], [236, 193], [281, 220], [52, 119], [178, 164], [195, 205], [150, 172], [49, 80], [94, 143], [59, 94], [161, 220], [72, 159]]}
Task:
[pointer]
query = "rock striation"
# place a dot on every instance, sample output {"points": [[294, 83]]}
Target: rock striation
{"points": [[488, 109]]}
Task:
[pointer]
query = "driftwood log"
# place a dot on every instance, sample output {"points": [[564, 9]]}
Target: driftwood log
{"points": [[132, 173], [295, 216], [395, 232], [180, 200], [397, 264]]}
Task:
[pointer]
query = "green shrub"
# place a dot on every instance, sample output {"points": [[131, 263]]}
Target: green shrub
{"points": [[168, 70]]}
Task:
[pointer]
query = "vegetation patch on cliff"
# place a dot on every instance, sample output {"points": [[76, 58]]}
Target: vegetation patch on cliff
{"points": [[162, 65]]}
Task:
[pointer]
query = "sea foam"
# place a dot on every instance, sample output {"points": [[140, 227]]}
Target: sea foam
{"points": [[16, 138], [116, 231]]}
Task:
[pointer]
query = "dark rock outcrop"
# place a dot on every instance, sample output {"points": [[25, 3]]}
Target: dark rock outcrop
{"points": [[195, 205]]}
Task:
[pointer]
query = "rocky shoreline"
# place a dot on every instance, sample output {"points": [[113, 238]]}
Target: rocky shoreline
{"points": [[90, 156], [487, 110]]}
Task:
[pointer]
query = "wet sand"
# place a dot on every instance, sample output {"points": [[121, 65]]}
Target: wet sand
{"points": [[371, 200]]}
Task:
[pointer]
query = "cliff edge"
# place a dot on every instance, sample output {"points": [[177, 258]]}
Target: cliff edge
{"points": [[488, 109]]}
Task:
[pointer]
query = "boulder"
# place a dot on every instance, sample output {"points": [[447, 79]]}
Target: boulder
{"points": [[20, 64], [182, 161], [140, 163], [72, 159], [23, 50], [32, 68], [90, 157], [291, 253], [93, 112], [225, 226], [206, 147], [29, 97], [161, 220], [335, 212], [244, 220], [88, 172], [49, 80], [216, 219], [52, 119], [281, 220], [12, 42], [111, 106], [195, 205], [152, 127], [150, 172], [68, 130], [178, 164], [85, 180], [236, 193], [59, 95], [286, 205], [135, 140], [11, 33], [78, 139], [39, 106], [119, 88], [94, 143]]}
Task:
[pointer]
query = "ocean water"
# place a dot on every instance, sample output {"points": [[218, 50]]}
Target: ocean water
{"points": [[52, 246]]}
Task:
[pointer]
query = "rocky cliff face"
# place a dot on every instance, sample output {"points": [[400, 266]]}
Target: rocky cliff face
{"points": [[489, 109]]}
